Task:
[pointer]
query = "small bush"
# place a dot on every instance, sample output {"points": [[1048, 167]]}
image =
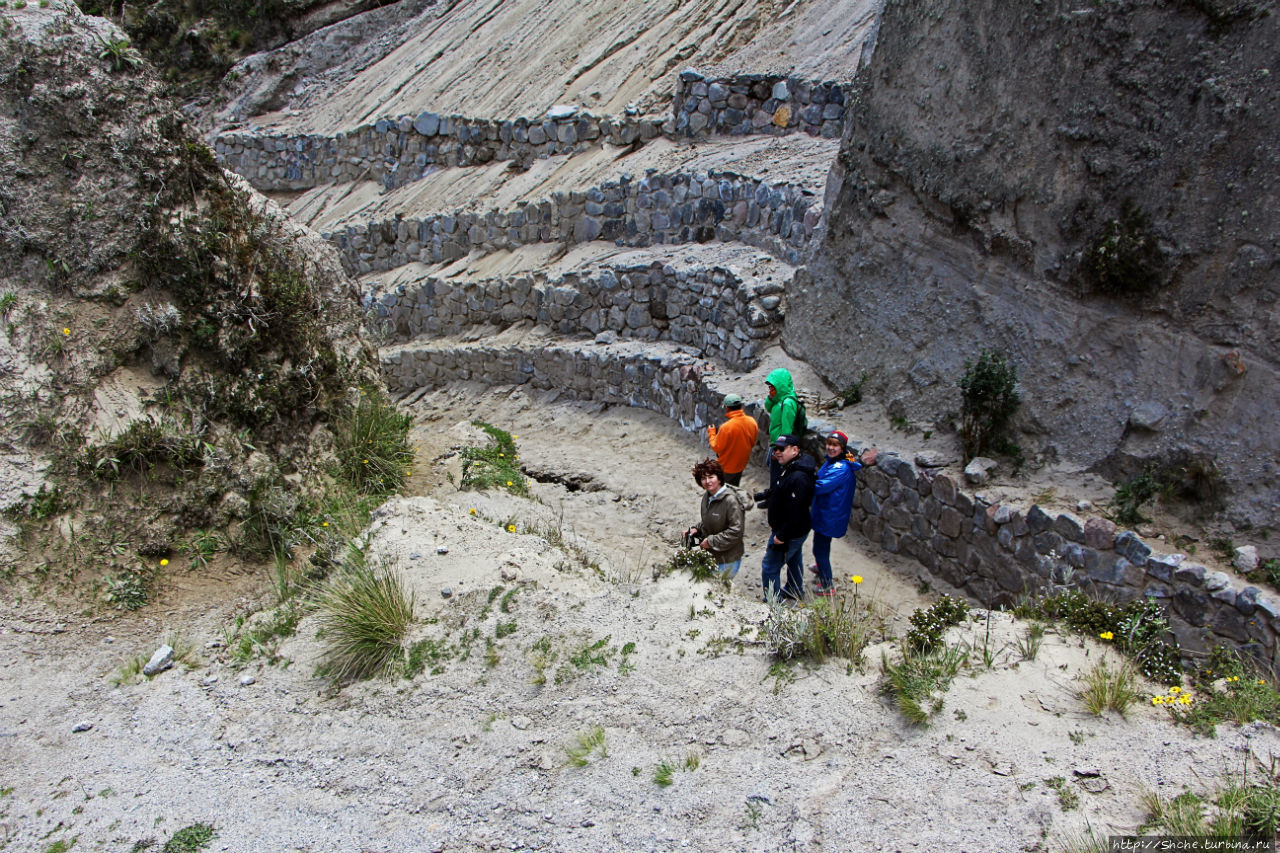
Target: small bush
{"points": [[364, 613], [373, 445], [1132, 495], [1229, 688], [989, 400], [696, 561], [928, 625], [1125, 258], [823, 628], [1137, 629], [191, 839]]}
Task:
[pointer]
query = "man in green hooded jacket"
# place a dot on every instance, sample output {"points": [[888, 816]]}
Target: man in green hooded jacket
{"points": [[781, 405]]}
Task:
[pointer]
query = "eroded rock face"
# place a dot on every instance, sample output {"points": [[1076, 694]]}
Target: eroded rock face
{"points": [[990, 147]]}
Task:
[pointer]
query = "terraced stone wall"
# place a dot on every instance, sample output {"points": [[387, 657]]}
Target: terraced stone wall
{"points": [[679, 208], [996, 554], [395, 151], [712, 309], [757, 104], [632, 375]]}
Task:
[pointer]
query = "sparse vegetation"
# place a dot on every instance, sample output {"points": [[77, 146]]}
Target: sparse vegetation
{"points": [[1228, 688], [191, 839], [587, 743], [928, 625], [373, 445], [917, 681], [1108, 688], [495, 466], [822, 628], [1068, 799]]}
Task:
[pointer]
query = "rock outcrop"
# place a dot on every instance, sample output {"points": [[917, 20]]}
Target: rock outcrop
{"points": [[995, 155]]}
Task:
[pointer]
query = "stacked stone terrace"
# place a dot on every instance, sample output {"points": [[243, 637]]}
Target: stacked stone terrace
{"points": [[400, 149]]}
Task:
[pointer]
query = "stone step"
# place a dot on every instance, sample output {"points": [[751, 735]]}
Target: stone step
{"points": [[653, 210], [397, 150], [659, 376], [726, 302]]}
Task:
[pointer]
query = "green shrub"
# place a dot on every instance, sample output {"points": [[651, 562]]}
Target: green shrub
{"points": [[1133, 494], [364, 613], [989, 400], [696, 561], [1229, 688], [822, 628], [1106, 689], [191, 839], [928, 625], [1124, 258]]}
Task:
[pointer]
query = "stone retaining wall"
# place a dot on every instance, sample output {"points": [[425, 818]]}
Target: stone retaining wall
{"points": [[678, 208], [757, 103], [711, 309], [669, 383], [995, 553], [395, 151]]}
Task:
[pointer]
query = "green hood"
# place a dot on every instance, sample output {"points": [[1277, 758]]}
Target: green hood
{"points": [[781, 379]]}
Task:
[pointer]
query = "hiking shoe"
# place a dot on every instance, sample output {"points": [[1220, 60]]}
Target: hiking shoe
{"points": [[813, 568], [824, 591]]}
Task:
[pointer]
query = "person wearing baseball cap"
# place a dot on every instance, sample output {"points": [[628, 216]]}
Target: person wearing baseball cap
{"points": [[733, 441], [789, 505]]}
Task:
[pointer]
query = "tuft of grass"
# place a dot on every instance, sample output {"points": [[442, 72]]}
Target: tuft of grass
{"points": [[191, 839], [364, 613], [263, 635], [916, 681], [822, 628], [1229, 689], [1029, 643], [372, 444], [587, 743], [664, 774], [1104, 688]]}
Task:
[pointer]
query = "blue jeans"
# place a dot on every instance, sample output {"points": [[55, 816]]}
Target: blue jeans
{"points": [[792, 553], [822, 556], [730, 569]]}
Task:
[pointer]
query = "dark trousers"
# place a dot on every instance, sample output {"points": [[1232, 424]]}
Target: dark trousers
{"points": [[733, 479]]}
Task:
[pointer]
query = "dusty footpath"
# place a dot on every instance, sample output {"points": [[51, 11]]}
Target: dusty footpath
{"points": [[580, 646]]}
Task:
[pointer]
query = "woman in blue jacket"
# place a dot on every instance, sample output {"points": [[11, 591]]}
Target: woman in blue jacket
{"points": [[832, 503]]}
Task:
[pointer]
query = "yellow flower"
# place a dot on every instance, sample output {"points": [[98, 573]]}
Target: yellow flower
{"points": [[366, 461], [326, 524], [1174, 691], [1157, 700], [856, 579], [511, 528], [1107, 635], [515, 436], [164, 562], [503, 455], [1185, 700], [508, 482], [473, 510], [1260, 681], [66, 331]]}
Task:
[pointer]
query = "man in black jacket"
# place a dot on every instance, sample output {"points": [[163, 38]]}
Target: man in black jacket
{"points": [[789, 521]]}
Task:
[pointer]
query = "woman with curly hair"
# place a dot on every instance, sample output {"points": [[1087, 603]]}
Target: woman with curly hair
{"points": [[723, 515]]}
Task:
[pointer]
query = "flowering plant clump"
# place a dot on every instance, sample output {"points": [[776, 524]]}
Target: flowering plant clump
{"points": [[927, 626], [1138, 629], [696, 561], [494, 466], [1229, 690]]}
